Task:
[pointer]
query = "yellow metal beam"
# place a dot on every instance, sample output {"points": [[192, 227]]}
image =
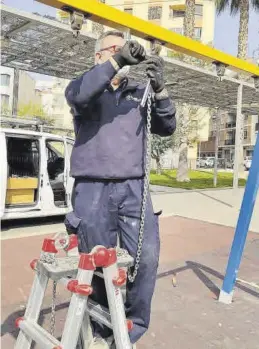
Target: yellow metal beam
{"points": [[111, 17]]}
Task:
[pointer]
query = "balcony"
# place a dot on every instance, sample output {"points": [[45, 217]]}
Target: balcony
{"points": [[230, 124], [229, 142]]}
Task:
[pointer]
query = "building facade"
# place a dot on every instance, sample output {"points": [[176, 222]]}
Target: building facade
{"points": [[226, 147], [26, 89], [52, 94], [6, 88]]}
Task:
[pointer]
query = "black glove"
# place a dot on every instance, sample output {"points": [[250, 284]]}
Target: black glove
{"points": [[131, 53], [155, 71]]}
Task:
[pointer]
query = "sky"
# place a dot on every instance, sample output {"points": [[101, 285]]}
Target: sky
{"points": [[226, 26]]}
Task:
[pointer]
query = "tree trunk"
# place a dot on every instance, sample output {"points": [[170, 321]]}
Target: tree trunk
{"points": [[15, 92], [98, 28], [243, 29], [158, 166], [189, 19], [188, 30], [182, 172]]}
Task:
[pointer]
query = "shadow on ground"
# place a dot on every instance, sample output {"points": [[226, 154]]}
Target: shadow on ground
{"points": [[198, 269]]}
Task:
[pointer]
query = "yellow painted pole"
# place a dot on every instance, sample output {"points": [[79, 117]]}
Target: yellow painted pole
{"points": [[112, 17]]}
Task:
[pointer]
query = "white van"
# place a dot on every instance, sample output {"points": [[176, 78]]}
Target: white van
{"points": [[34, 174]]}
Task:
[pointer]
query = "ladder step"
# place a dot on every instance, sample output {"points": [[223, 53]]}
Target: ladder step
{"points": [[68, 266], [102, 314], [43, 338], [99, 313]]}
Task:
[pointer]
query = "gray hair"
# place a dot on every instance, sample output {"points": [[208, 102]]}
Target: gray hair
{"points": [[104, 35]]}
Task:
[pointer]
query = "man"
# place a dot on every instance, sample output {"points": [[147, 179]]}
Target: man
{"points": [[107, 163]]}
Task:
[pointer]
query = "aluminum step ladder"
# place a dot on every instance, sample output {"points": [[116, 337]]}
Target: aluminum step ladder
{"points": [[76, 272]]}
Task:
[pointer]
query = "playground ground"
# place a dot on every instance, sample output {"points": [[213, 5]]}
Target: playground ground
{"points": [[183, 317]]}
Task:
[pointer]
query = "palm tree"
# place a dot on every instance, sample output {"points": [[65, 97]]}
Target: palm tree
{"points": [[188, 30], [189, 19], [243, 7]]}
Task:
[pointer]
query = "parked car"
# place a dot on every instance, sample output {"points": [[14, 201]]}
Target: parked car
{"points": [[229, 164], [201, 162], [209, 162]]}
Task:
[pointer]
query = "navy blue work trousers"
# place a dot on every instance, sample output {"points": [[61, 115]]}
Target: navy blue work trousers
{"points": [[104, 210]]}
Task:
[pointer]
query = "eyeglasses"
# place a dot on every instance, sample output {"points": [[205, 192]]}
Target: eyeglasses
{"points": [[112, 49]]}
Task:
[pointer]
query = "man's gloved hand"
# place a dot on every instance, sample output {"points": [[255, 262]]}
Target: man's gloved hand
{"points": [[131, 53], [155, 71]]}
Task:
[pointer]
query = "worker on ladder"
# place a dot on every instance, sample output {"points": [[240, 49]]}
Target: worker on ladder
{"points": [[108, 164]]}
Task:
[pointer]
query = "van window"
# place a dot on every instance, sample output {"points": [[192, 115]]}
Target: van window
{"points": [[56, 167], [22, 157], [23, 172]]}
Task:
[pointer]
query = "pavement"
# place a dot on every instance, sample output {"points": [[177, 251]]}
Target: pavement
{"points": [[186, 316], [193, 250], [219, 206]]}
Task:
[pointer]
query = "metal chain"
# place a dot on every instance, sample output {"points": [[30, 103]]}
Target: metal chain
{"points": [[132, 276], [48, 258], [53, 308]]}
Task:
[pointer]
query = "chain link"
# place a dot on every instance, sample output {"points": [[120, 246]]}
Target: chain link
{"points": [[48, 258], [132, 276], [53, 308]]}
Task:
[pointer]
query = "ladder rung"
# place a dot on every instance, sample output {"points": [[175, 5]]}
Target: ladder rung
{"points": [[99, 312], [43, 338]]}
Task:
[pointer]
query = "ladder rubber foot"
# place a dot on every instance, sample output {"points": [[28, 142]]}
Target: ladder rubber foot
{"points": [[121, 279], [130, 325], [17, 321], [83, 289], [33, 264]]}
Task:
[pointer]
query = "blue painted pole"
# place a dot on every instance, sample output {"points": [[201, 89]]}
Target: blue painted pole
{"points": [[242, 228]]}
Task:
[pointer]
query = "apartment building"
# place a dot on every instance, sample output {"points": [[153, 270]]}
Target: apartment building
{"points": [[52, 94], [6, 87], [26, 89], [227, 132]]}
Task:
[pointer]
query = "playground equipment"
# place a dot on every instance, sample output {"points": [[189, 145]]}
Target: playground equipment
{"points": [[106, 15], [244, 219]]}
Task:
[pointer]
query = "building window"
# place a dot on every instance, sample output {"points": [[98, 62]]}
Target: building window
{"points": [[197, 33], [177, 30], [178, 13], [5, 80], [154, 12], [5, 100], [245, 134], [198, 10], [231, 124], [128, 10]]}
